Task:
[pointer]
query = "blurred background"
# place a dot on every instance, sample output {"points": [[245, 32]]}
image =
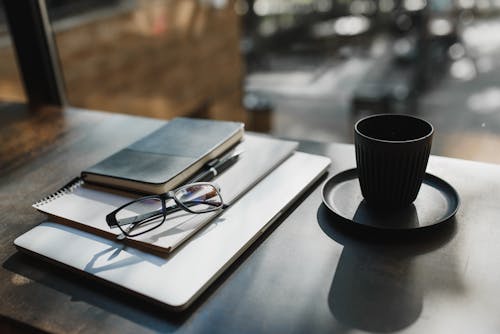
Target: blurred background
{"points": [[305, 69]]}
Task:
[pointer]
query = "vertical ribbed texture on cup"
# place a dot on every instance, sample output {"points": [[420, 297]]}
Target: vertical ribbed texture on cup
{"points": [[388, 181]]}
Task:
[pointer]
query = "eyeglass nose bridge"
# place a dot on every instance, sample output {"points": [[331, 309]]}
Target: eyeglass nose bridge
{"points": [[169, 194]]}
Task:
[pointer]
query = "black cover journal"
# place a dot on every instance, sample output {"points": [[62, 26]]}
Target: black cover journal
{"points": [[167, 157]]}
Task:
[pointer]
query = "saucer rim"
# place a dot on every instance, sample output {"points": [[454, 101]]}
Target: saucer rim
{"points": [[451, 192]]}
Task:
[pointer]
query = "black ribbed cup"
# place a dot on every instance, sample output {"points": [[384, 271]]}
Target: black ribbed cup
{"points": [[391, 156]]}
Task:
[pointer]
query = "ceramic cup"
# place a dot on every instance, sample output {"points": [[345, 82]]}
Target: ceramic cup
{"points": [[392, 151]]}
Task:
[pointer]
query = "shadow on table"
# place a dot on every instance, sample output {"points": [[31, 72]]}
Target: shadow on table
{"points": [[93, 291], [376, 286], [9, 325]]}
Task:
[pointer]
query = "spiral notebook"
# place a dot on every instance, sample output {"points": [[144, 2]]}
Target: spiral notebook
{"points": [[85, 206]]}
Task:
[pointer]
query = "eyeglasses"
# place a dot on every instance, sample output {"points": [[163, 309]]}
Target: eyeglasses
{"points": [[147, 213]]}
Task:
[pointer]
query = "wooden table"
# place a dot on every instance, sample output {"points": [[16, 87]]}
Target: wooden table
{"points": [[306, 275]]}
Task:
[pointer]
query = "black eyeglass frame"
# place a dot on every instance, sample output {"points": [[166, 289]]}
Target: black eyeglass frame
{"points": [[142, 219]]}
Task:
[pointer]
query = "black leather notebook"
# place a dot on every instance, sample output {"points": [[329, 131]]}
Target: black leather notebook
{"points": [[167, 157]]}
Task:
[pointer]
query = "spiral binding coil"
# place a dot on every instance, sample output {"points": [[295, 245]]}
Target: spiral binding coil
{"points": [[67, 189]]}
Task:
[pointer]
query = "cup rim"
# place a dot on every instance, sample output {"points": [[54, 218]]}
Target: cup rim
{"points": [[431, 132]]}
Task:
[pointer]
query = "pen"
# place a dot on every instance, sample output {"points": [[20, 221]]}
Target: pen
{"points": [[216, 167]]}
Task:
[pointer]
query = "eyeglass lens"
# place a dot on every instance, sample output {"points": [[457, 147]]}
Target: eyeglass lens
{"points": [[199, 198], [145, 214]]}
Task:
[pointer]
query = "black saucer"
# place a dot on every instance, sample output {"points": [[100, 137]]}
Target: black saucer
{"points": [[436, 203]]}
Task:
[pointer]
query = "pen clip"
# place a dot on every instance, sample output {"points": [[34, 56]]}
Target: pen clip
{"points": [[216, 161], [212, 163]]}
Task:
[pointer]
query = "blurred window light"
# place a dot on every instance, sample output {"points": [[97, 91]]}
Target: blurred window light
{"points": [[268, 27], [402, 47], [362, 7], [241, 7], [484, 38], [466, 4], [463, 69], [400, 92], [484, 64], [262, 7], [440, 27], [379, 46], [414, 5], [343, 26], [485, 102], [456, 51], [496, 3], [279, 7], [218, 4], [386, 6], [351, 25]]}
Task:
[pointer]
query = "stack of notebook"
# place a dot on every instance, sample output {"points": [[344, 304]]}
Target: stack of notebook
{"points": [[174, 263], [163, 160]]}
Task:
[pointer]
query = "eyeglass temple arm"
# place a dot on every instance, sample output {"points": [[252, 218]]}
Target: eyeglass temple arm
{"points": [[144, 216]]}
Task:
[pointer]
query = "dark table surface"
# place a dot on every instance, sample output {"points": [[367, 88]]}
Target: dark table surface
{"points": [[307, 274]]}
